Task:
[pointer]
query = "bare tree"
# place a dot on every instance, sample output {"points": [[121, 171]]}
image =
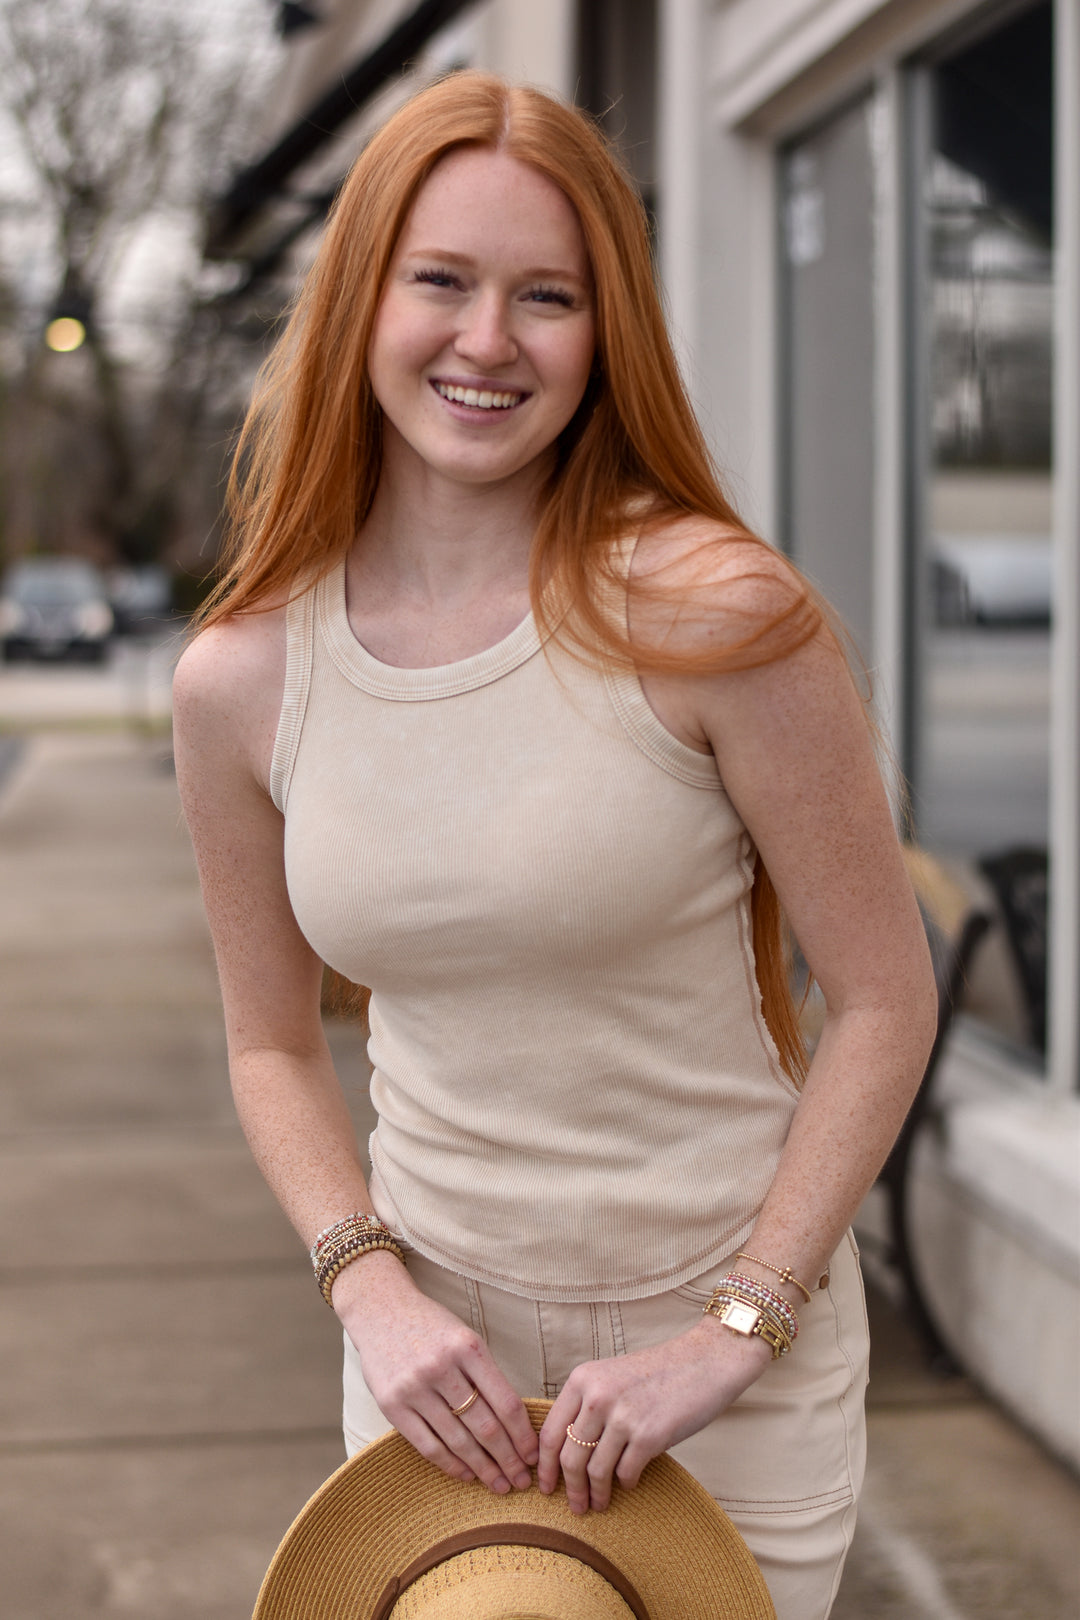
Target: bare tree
{"points": [[128, 115]]}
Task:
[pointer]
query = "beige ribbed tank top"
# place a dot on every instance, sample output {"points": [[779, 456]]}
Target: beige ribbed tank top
{"points": [[548, 895]]}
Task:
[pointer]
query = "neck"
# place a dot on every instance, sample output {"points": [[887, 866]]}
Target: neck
{"points": [[435, 539]]}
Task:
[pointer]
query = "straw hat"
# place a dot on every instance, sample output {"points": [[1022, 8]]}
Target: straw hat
{"points": [[389, 1537]]}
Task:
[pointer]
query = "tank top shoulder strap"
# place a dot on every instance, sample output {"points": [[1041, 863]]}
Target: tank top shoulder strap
{"points": [[631, 705], [299, 652]]}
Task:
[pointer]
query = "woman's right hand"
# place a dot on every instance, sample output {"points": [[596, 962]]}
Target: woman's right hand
{"points": [[418, 1361]]}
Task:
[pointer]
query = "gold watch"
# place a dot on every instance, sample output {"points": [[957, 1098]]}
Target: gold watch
{"points": [[749, 1320]]}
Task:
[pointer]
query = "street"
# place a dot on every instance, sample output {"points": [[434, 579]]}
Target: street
{"points": [[169, 1380], [132, 687]]}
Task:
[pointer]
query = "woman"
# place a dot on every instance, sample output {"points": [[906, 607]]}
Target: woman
{"points": [[502, 712]]}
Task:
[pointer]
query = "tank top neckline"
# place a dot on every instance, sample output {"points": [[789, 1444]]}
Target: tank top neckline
{"points": [[368, 673]]}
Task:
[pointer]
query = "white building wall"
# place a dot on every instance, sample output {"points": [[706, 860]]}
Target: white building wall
{"points": [[524, 40], [733, 365], [774, 59], [717, 251]]}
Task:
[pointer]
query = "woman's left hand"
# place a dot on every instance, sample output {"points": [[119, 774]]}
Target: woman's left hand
{"points": [[639, 1405]]}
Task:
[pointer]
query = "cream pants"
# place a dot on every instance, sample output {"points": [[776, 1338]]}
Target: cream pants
{"points": [[785, 1462]]}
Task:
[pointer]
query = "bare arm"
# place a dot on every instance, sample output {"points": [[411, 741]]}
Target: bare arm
{"points": [[798, 763], [418, 1359], [796, 757]]}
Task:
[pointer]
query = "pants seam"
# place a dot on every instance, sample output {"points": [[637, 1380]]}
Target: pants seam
{"points": [[843, 1402], [550, 1389], [782, 1505]]}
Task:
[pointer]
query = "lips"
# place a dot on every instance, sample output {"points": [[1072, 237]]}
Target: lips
{"points": [[484, 399]]}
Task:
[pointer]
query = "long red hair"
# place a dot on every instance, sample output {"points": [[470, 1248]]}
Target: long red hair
{"points": [[309, 457]]}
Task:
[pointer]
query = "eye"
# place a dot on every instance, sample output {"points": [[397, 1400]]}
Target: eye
{"points": [[551, 295], [436, 278]]}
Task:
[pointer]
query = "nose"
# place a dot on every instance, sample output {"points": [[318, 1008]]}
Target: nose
{"points": [[485, 336]]}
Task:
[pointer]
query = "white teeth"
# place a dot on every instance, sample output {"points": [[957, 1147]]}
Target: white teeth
{"points": [[484, 399]]}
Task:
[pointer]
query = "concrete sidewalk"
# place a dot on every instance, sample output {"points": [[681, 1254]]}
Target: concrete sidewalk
{"points": [[170, 1382]]}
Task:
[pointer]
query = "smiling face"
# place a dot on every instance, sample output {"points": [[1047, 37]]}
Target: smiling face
{"points": [[484, 338]]}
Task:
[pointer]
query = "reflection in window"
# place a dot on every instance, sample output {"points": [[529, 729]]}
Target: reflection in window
{"points": [[992, 314], [987, 197]]}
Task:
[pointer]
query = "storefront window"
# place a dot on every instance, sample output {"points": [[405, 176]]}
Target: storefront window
{"points": [[984, 607]]}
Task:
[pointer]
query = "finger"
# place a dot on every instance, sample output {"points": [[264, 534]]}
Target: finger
{"points": [[552, 1440], [460, 1403], [483, 1427], [580, 1445], [478, 1439], [631, 1465], [429, 1445], [505, 1402], [602, 1469]]}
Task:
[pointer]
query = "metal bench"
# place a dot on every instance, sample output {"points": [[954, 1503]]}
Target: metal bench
{"points": [[1019, 878]]}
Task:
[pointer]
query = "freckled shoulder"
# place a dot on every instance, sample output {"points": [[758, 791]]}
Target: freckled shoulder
{"points": [[228, 688], [699, 581]]}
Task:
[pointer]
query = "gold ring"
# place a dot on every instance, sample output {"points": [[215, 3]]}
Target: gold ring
{"points": [[464, 1407], [588, 1444]]}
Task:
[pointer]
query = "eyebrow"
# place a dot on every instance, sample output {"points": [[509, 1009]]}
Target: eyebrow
{"points": [[539, 272]]}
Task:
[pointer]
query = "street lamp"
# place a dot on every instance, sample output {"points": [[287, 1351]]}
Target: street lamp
{"points": [[69, 320], [65, 333]]}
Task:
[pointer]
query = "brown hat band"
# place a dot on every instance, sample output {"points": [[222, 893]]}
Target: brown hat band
{"points": [[499, 1535]]}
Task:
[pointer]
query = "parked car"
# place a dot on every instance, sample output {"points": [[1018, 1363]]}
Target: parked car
{"points": [[995, 580], [55, 607]]}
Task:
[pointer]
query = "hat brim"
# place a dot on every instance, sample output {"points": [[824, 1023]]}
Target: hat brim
{"points": [[384, 1510]]}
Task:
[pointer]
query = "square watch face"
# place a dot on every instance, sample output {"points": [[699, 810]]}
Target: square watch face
{"points": [[743, 1318]]}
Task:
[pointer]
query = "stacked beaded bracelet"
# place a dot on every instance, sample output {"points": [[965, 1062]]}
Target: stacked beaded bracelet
{"points": [[348, 1227], [353, 1229], [747, 1306], [339, 1245]]}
